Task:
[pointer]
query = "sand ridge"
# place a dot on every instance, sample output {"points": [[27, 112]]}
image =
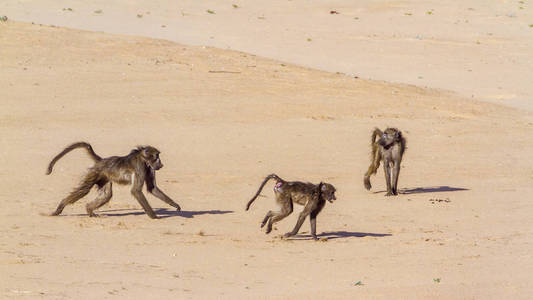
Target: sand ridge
{"points": [[477, 48]]}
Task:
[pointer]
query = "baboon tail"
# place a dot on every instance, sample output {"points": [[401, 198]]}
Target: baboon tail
{"points": [[374, 165], [375, 134], [85, 145], [271, 176]]}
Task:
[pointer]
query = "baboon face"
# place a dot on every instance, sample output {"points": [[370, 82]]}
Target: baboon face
{"points": [[151, 157], [390, 136], [328, 192]]}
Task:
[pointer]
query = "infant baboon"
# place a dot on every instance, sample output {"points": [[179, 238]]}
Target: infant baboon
{"points": [[390, 148], [312, 196], [135, 168]]}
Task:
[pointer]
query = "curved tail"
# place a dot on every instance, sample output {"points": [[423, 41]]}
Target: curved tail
{"points": [[271, 176], [375, 159], [375, 133], [85, 145]]}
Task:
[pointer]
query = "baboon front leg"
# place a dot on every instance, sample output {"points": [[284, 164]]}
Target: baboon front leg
{"points": [[301, 218], [286, 209], [159, 194], [386, 168], [395, 175], [136, 191], [312, 219], [144, 203], [104, 195], [154, 190], [80, 192]]}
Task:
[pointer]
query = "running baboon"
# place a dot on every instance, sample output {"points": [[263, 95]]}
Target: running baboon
{"points": [[312, 196], [389, 148], [135, 168]]}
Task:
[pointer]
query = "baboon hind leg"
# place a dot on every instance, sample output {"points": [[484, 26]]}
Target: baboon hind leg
{"points": [[267, 217], [276, 216], [105, 193], [80, 192]]}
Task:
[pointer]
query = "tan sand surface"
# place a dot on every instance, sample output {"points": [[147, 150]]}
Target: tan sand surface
{"points": [[480, 48], [461, 229]]}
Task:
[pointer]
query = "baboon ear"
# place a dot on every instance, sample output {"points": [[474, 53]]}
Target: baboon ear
{"points": [[323, 188], [144, 152]]}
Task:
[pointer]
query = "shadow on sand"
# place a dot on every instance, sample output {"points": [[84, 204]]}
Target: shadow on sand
{"points": [[160, 212], [431, 189], [338, 235]]}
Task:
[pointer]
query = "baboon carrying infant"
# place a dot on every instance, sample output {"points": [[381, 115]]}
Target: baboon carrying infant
{"points": [[135, 168], [312, 196], [389, 148]]}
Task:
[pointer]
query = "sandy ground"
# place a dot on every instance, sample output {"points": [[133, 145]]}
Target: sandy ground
{"points": [[479, 48], [461, 228]]}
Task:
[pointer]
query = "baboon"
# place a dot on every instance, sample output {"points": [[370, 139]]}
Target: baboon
{"points": [[389, 148], [135, 168], [312, 196]]}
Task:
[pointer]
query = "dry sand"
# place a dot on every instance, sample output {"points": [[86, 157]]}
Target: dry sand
{"points": [[481, 49], [461, 228]]}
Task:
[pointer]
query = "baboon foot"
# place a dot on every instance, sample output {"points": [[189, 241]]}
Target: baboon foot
{"points": [[389, 194], [92, 214], [368, 186], [56, 213], [268, 230], [264, 223], [315, 238]]}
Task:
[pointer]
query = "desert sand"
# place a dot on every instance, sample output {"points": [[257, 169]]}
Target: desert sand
{"points": [[479, 48], [223, 119]]}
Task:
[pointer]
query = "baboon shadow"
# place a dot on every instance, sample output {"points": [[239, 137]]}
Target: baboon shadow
{"points": [[432, 189], [160, 212], [331, 235]]}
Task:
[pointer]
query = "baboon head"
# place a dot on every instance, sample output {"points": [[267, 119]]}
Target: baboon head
{"points": [[389, 137], [151, 157], [328, 192]]}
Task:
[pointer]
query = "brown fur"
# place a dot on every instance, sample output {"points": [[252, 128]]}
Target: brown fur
{"points": [[389, 148], [312, 196], [135, 168]]}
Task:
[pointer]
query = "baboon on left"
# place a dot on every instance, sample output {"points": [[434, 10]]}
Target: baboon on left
{"points": [[135, 168]]}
